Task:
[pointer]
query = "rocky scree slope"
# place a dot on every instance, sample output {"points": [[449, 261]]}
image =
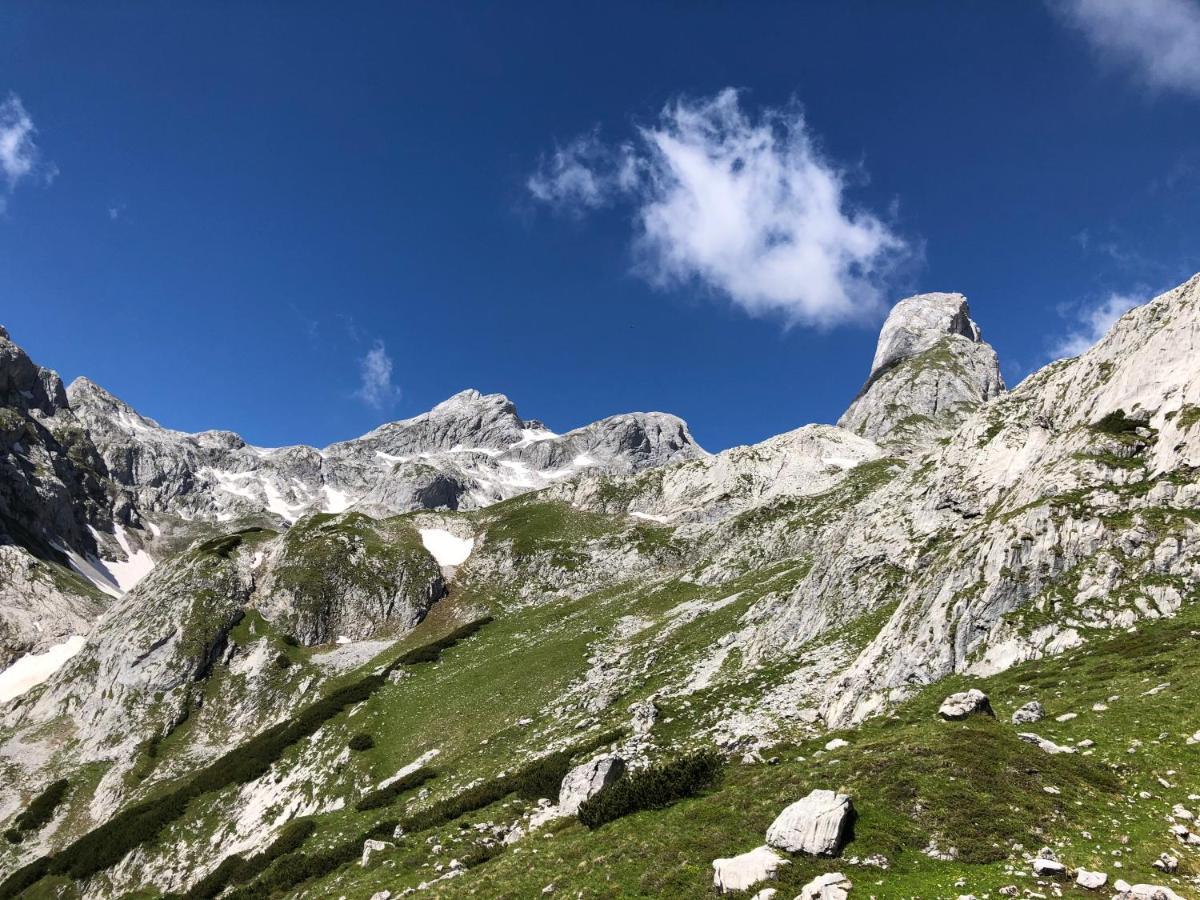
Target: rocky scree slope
{"points": [[751, 601]]}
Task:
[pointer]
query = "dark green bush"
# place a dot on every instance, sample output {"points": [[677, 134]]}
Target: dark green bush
{"points": [[236, 870], [432, 651], [41, 808], [387, 795], [1116, 422], [361, 742], [652, 788], [291, 640], [14, 836], [283, 660]]}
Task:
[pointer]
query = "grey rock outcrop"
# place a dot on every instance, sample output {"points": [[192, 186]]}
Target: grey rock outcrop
{"points": [[817, 824], [931, 370]]}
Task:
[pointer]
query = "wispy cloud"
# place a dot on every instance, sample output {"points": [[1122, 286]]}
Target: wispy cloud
{"points": [[1092, 322], [744, 205], [375, 371], [1157, 40], [20, 158]]}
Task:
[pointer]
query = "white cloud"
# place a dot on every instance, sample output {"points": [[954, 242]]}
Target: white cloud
{"points": [[747, 207], [1092, 323], [375, 370], [19, 155], [1159, 40]]}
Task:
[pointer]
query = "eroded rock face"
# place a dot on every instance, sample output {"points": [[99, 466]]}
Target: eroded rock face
{"points": [[931, 370], [818, 824]]}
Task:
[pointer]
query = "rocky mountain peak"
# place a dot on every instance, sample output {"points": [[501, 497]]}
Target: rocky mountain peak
{"points": [[917, 323], [931, 368]]}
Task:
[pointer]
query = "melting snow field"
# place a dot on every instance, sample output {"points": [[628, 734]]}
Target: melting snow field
{"points": [[34, 668], [447, 549], [136, 565]]}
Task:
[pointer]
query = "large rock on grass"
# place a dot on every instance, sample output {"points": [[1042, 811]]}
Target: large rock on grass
{"points": [[818, 824]]}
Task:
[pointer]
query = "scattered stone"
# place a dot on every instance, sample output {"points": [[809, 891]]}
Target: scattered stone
{"points": [[381, 895], [740, 873], [830, 886], [1009, 890], [1156, 690], [1086, 744], [816, 824], [1194, 739], [933, 851], [1066, 717], [372, 847], [645, 713], [548, 889], [1031, 712], [1099, 707], [765, 894], [1091, 880], [1145, 892], [965, 703], [1166, 863], [586, 780], [1050, 868], [837, 744], [1042, 744], [1179, 811]]}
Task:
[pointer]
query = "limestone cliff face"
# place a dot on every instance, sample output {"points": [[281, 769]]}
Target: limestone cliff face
{"points": [[931, 370]]}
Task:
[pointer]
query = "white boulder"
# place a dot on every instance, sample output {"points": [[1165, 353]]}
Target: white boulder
{"points": [[740, 873], [965, 703], [1091, 880], [586, 780], [1043, 744], [830, 886], [816, 824], [372, 847]]}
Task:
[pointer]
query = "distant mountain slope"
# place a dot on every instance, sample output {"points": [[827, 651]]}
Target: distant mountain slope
{"points": [[382, 696]]}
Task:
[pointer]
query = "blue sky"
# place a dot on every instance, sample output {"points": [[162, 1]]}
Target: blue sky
{"points": [[297, 224]]}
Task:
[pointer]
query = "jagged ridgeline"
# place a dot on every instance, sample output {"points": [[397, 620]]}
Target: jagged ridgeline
{"points": [[945, 647]]}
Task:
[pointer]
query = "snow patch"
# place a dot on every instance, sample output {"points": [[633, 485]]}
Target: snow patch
{"points": [[34, 668], [445, 547], [650, 517], [336, 501], [136, 565]]}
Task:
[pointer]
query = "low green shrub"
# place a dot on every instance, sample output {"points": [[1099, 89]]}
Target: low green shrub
{"points": [[237, 870], [283, 661], [14, 836], [432, 651], [385, 796], [1116, 422], [652, 788], [361, 742], [41, 808]]}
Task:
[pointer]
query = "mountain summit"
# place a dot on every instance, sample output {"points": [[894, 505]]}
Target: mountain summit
{"points": [[931, 369]]}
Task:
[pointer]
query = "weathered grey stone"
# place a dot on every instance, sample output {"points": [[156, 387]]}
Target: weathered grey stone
{"points": [[1090, 880], [830, 886], [586, 780], [965, 703], [742, 872], [816, 824], [1031, 712], [372, 847]]}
